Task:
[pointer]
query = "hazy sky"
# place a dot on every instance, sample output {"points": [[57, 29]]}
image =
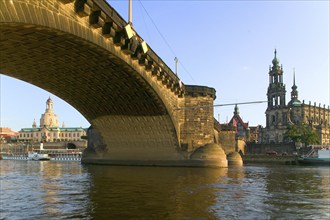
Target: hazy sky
{"points": [[227, 45]]}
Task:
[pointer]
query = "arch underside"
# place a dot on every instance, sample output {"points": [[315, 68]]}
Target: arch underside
{"points": [[92, 80], [108, 92]]}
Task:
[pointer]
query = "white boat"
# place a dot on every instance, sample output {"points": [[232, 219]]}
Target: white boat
{"points": [[45, 154], [6, 156], [64, 154], [38, 156], [49, 154], [28, 156]]}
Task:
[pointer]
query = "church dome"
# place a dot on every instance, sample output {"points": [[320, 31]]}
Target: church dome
{"points": [[49, 118]]}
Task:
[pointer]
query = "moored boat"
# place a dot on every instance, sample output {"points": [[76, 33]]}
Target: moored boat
{"points": [[317, 156], [9, 156], [43, 154], [38, 156], [64, 154], [49, 154]]}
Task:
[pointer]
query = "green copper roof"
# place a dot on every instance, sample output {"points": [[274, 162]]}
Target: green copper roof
{"points": [[29, 129], [294, 103]]}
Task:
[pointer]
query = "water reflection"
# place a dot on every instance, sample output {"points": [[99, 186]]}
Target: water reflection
{"points": [[298, 190], [153, 192], [32, 189], [63, 190]]}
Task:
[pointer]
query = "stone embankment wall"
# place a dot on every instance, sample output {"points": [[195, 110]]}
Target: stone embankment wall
{"points": [[280, 153], [61, 145], [269, 159], [227, 141], [254, 148]]}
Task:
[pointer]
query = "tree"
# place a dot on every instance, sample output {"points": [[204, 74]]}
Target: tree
{"points": [[302, 133]]}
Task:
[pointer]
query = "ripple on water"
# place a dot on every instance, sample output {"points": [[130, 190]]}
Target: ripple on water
{"points": [[60, 190]]}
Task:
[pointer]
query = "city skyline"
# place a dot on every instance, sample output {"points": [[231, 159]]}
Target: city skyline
{"points": [[229, 48]]}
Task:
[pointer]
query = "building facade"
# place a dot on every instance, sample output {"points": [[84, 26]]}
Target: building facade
{"points": [[280, 115], [49, 130], [7, 135], [234, 134], [254, 134], [236, 123]]}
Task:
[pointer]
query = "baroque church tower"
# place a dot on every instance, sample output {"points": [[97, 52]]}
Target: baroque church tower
{"points": [[280, 115], [276, 89], [277, 112]]}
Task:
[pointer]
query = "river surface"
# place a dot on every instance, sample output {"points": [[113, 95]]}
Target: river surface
{"points": [[69, 190]]}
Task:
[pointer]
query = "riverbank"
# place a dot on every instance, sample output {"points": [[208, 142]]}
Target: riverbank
{"points": [[271, 159]]}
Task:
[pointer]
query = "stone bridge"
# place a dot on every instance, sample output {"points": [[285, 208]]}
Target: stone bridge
{"points": [[84, 52]]}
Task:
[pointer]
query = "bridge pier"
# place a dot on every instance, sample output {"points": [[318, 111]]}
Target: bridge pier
{"points": [[154, 141], [98, 152]]}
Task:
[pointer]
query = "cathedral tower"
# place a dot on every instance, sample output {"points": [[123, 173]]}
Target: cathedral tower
{"points": [[276, 89], [277, 111], [280, 115]]}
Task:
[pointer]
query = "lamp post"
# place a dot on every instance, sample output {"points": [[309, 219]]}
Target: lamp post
{"points": [[130, 12], [176, 65]]}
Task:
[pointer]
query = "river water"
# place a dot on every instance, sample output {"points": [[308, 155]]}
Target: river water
{"points": [[69, 190]]}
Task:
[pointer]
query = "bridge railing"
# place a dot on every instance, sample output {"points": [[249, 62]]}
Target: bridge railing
{"points": [[103, 15]]}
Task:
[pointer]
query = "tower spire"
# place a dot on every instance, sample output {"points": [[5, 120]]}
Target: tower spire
{"points": [[34, 125], [294, 87], [275, 61], [294, 93], [236, 110]]}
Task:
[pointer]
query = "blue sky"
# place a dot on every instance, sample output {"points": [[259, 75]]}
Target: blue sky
{"points": [[227, 45]]}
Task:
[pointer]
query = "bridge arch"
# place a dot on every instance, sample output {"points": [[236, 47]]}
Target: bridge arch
{"points": [[85, 53], [78, 51]]}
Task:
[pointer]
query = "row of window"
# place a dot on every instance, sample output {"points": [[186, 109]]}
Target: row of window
{"points": [[316, 120], [23, 135], [326, 136], [55, 140], [317, 113]]}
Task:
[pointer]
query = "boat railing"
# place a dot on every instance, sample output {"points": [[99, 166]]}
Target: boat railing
{"points": [[312, 153]]}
